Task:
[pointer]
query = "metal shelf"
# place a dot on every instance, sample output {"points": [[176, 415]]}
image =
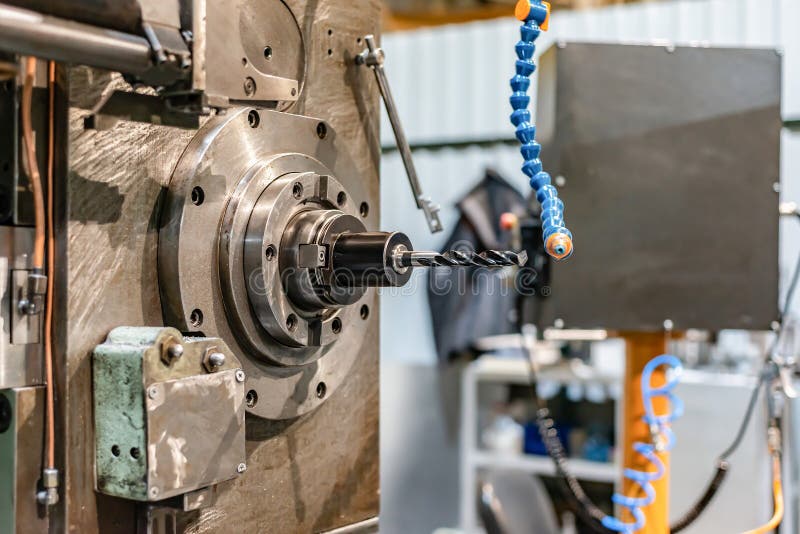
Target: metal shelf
{"points": [[543, 465], [515, 371], [474, 459]]}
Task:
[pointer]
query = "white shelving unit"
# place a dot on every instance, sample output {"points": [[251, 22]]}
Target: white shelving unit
{"points": [[510, 371], [543, 465]]}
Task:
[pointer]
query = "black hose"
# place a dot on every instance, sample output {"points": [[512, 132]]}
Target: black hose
{"points": [[578, 501], [581, 504], [701, 505]]}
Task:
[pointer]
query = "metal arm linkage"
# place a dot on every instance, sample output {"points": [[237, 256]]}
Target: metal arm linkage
{"points": [[373, 57]]}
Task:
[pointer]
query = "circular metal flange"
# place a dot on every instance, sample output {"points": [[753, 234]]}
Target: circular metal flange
{"points": [[230, 173], [259, 215]]}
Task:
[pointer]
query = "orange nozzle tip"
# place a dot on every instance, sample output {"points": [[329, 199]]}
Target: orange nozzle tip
{"points": [[559, 246], [546, 24], [522, 10], [509, 221]]}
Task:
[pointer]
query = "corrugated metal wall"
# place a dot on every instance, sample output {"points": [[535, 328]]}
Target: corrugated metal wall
{"points": [[451, 84]]}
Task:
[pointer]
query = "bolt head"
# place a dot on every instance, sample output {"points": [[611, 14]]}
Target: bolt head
{"points": [[240, 376], [176, 351], [241, 468], [668, 325], [154, 492], [216, 359], [152, 392]]}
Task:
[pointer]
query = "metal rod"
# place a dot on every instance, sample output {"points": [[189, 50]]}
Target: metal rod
{"points": [[33, 34], [373, 57]]}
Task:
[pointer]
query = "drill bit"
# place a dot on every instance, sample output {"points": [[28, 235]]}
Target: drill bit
{"points": [[456, 258]]}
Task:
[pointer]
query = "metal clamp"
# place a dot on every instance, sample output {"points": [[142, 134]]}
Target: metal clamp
{"points": [[374, 57], [33, 304]]}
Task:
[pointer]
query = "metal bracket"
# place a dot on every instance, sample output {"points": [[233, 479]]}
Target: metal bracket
{"points": [[373, 57], [137, 107]]}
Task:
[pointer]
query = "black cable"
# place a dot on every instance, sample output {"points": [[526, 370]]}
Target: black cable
{"points": [[792, 288], [701, 505], [722, 466], [745, 422], [722, 463], [578, 501]]}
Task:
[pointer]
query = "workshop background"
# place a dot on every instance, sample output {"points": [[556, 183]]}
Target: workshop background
{"points": [[450, 74]]}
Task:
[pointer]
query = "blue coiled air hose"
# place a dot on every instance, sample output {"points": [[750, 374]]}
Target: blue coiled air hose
{"points": [[663, 441]]}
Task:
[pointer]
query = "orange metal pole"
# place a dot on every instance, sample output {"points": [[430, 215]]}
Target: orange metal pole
{"points": [[640, 349]]}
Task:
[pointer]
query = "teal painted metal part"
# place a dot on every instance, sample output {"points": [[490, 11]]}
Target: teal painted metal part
{"points": [[8, 473], [119, 412], [166, 422]]}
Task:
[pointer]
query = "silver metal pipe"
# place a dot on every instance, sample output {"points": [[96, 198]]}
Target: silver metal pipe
{"points": [[33, 34]]}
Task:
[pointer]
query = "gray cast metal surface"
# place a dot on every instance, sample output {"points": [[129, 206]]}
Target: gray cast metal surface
{"points": [[314, 473]]}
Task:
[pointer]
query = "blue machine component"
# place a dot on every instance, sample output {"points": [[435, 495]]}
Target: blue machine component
{"points": [[663, 440], [557, 239]]}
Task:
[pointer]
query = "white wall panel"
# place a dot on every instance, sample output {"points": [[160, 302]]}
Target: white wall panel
{"points": [[452, 82]]}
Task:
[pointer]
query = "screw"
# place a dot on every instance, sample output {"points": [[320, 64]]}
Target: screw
{"points": [[668, 325], [775, 325], [175, 351], [561, 181], [239, 376], [249, 86], [776, 187], [216, 359], [559, 323], [154, 492], [152, 392], [241, 468]]}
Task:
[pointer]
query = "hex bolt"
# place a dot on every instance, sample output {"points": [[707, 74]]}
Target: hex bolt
{"points": [[216, 359], [240, 376], [241, 468], [175, 351], [171, 350]]}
